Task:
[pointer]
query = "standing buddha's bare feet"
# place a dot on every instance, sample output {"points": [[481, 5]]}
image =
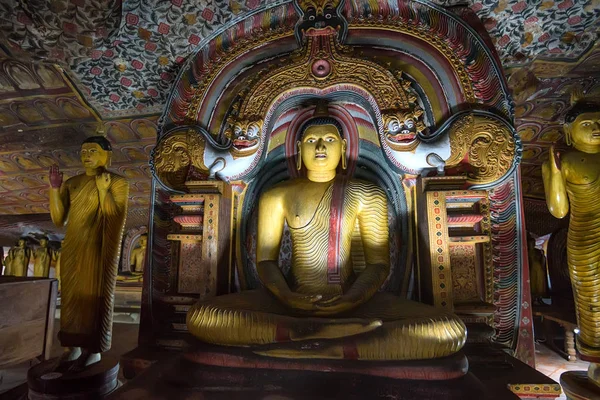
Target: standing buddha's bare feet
{"points": [[85, 359]]}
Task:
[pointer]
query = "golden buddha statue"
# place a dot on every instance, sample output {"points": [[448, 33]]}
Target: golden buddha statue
{"points": [[17, 260], [138, 254], [94, 207], [324, 299], [537, 272], [57, 263], [572, 182], [43, 256]]}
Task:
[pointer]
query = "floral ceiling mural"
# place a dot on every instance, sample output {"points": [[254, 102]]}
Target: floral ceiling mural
{"points": [[116, 62], [125, 56]]}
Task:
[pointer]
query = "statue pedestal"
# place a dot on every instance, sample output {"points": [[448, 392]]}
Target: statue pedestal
{"points": [[452, 367], [577, 386], [95, 382], [179, 378]]}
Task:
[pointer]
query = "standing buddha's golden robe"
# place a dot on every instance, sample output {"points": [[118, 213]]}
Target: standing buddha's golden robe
{"points": [[89, 261]]}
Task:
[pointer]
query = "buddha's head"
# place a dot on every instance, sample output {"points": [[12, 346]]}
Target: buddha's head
{"points": [[582, 127], [321, 146], [44, 242], [96, 152]]}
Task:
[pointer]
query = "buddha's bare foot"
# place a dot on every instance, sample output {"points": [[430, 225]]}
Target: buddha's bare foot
{"points": [[326, 352], [69, 355], [328, 329], [85, 359]]}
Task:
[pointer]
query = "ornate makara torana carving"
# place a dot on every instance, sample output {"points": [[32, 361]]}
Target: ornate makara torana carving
{"points": [[485, 143]]}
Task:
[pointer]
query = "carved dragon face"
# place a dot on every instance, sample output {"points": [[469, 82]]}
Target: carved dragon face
{"points": [[319, 15], [401, 130], [245, 137]]}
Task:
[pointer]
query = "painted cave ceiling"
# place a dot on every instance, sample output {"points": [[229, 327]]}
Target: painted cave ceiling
{"points": [[109, 66]]}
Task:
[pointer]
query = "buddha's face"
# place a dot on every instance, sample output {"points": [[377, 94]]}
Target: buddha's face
{"points": [[93, 156], [321, 148], [43, 242], [585, 129], [143, 241]]}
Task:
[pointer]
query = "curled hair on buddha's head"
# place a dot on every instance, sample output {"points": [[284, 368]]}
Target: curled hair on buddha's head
{"points": [[581, 107], [100, 141], [319, 121]]}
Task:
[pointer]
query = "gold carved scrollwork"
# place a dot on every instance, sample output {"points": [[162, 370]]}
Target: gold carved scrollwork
{"points": [[175, 154], [390, 92], [485, 144]]}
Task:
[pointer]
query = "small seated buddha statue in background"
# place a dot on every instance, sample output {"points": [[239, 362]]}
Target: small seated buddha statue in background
{"points": [[324, 300], [572, 183]]}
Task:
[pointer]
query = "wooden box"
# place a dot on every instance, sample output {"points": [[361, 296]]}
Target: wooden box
{"points": [[26, 318]]}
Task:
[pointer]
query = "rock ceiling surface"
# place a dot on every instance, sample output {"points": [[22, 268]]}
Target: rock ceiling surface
{"points": [[117, 61]]}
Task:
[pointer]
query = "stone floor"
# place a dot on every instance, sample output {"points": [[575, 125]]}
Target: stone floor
{"points": [[552, 365]]}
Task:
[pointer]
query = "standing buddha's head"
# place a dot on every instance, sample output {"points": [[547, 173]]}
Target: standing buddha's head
{"points": [[96, 152], [582, 126]]}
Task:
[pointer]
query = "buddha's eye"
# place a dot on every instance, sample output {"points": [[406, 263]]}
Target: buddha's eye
{"points": [[330, 139], [585, 124], [311, 140]]}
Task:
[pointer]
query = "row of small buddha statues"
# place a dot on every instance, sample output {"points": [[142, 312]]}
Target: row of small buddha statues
{"points": [[44, 258]]}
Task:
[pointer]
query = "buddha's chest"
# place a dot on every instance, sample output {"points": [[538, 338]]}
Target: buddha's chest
{"points": [[581, 168], [319, 208]]}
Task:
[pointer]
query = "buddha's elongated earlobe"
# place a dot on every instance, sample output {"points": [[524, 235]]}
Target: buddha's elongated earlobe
{"points": [[344, 160], [567, 129], [298, 157]]}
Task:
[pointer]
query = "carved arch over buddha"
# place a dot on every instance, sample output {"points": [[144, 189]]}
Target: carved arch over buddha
{"points": [[416, 87]]}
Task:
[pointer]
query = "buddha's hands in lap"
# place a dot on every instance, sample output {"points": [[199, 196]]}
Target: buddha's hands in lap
{"points": [[300, 301], [335, 305]]}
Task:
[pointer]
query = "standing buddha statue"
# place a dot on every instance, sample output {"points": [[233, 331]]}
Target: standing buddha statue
{"points": [[572, 182], [324, 299], [57, 264], [43, 256], [93, 205], [17, 260]]}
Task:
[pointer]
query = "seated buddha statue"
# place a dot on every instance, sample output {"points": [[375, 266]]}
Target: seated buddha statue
{"points": [[334, 312]]}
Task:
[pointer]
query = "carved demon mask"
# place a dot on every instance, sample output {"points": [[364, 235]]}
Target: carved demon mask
{"points": [[245, 137], [402, 128]]}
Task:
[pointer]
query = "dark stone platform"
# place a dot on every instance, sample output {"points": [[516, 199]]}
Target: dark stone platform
{"points": [[180, 379], [46, 381], [493, 375]]}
